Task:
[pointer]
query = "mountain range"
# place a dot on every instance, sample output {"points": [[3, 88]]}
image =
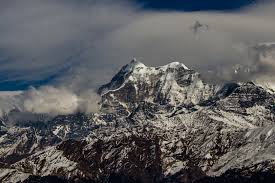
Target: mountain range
{"points": [[155, 124]]}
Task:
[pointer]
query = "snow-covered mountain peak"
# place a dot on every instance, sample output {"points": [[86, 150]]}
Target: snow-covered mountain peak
{"points": [[134, 64], [138, 67], [137, 71], [175, 65], [171, 85]]}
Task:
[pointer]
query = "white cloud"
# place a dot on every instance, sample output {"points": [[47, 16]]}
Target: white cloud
{"points": [[49, 100]]}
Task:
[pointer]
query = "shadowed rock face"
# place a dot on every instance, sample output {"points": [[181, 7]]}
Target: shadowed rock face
{"points": [[240, 176], [135, 158], [156, 124]]}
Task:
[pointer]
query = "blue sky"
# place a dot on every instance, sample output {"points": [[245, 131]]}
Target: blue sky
{"points": [[195, 5]]}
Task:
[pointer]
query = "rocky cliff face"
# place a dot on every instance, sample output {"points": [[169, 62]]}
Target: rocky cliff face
{"points": [[157, 124]]}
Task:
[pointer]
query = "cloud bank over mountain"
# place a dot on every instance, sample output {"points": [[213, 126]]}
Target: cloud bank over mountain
{"points": [[49, 100], [87, 41]]}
